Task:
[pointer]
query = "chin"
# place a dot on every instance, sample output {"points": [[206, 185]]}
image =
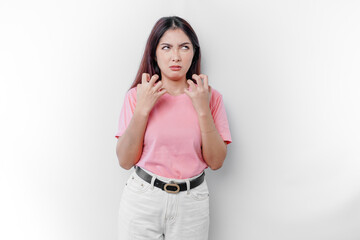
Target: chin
{"points": [[176, 76]]}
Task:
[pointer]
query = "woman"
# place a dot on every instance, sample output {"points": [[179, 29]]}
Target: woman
{"points": [[172, 127]]}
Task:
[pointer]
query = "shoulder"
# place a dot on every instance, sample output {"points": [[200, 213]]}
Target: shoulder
{"points": [[215, 100], [215, 94], [132, 93]]}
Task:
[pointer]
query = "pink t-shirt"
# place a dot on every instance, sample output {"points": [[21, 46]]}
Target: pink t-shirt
{"points": [[172, 141]]}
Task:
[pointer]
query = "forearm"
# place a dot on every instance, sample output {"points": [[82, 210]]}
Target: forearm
{"points": [[213, 146], [129, 146]]}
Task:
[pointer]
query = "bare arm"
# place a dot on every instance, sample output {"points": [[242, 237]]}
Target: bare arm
{"points": [[129, 145], [213, 146], [214, 149]]}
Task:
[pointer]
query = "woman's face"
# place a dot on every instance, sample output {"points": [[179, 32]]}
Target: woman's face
{"points": [[174, 49]]}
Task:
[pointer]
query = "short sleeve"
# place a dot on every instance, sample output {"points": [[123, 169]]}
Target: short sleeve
{"points": [[126, 112], [219, 115]]}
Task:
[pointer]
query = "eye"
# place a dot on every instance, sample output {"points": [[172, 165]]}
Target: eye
{"points": [[186, 47], [165, 47]]}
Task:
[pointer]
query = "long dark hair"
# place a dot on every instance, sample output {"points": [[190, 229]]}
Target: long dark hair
{"points": [[148, 63]]}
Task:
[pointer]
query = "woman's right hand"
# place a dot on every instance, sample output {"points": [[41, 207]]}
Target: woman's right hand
{"points": [[148, 93]]}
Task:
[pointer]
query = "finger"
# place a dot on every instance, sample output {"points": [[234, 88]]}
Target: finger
{"points": [[191, 85], [161, 92], [157, 86], [187, 92], [153, 79], [197, 79], [145, 77], [206, 81]]}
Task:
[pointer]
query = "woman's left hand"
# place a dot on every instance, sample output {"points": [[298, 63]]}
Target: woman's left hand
{"points": [[200, 93]]}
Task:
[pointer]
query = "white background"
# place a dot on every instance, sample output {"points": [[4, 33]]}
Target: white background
{"points": [[289, 74]]}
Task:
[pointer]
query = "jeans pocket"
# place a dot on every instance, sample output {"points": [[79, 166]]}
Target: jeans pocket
{"points": [[136, 184], [201, 192]]}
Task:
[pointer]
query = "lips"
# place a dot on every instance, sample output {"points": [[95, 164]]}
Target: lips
{"points": [[175, 68]]}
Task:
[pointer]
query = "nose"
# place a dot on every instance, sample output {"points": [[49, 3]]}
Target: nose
{"points": [[176, 56]]}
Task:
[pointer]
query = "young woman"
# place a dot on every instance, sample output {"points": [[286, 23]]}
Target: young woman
{"points": [[172, 126]]}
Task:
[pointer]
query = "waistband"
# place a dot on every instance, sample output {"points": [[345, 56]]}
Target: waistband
{"points": [[165, 179], [170, 186]]}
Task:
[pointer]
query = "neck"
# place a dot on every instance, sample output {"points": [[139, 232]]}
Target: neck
{"points": [[175, 87]]}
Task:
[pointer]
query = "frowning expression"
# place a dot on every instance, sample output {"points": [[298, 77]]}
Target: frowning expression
{"points": [[174, 54]]}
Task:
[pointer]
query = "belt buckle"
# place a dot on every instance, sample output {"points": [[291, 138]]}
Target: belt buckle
{"points": [[171, 184]]}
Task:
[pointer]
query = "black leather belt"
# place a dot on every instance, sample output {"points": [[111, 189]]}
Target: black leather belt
{"points": [[170, 187]]}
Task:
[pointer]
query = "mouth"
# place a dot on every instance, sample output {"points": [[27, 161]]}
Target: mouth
{"points": [[175, 68]]}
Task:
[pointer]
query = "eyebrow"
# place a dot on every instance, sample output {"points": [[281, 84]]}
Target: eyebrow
{"points": [[184, 43]]}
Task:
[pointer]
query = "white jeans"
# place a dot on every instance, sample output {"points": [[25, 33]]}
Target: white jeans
{"points": [[147, 212]]}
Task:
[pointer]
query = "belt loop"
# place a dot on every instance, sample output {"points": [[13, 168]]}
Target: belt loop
{"points": [[187, 186], [152, 182]]}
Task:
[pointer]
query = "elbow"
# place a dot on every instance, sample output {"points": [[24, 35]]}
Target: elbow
{"points": [[123, 158], [217, 163], [216, 166], [125, 165]]}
